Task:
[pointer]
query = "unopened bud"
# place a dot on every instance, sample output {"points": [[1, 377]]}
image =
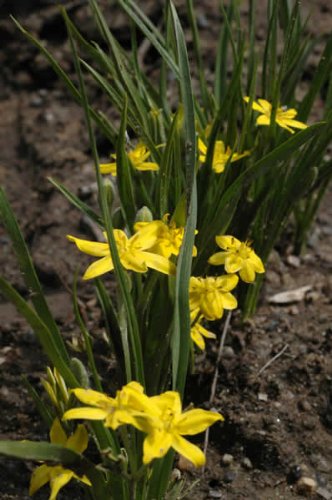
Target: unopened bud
{"points": [[144, 215]]}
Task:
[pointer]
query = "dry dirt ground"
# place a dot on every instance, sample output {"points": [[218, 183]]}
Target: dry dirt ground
{"points": [[278, 422]]}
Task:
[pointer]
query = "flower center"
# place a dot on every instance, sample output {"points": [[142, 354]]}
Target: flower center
{"points": [[243, 251]]}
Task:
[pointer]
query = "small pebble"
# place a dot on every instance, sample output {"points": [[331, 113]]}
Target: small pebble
{"points": [[309, 423], [215, 494], [227, 459], [228, 352], [304, 405], [36, 101], [229, 476], [246, 463], [324, 493], [262, 396], [306, 486], [293, 310], [293, 261], [176, 475]]}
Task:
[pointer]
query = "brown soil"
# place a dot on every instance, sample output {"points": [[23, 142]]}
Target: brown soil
{"points": [[278, 421]]}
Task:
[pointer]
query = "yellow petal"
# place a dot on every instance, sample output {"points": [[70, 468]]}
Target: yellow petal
{"points": [[83, 479], [219, 166], [147, 165], [156, 445], [79, 440], [291, 123], [196, 421], [202, 148], [218, 259], [247, 272], [257, 263], [134, 261], [264, 105], [227, 282], [212, 306], [206, 333], [289, 114], [147, 235], [108, 168], [227, 242], [57, 434], [98, 268], [120, 417], [233, 263], [229, 301], [91, 397], [159, 263], [197, 338], [90, 247], [239, 156], [85, 413], [188, 450], [59, 482], [169, 400], [40, 476], [263, 120]]}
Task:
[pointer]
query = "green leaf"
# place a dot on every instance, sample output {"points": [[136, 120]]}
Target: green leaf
{"points": [[76, 202], [150, 31], [322, 73], [35, 450], [124, 173], [44, 334], [181, 334], [30, 275]]}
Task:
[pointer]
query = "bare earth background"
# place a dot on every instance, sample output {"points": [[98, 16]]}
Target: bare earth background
{"points": [[278, 423]]}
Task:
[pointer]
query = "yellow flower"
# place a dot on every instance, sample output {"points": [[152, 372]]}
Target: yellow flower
{"points": [[168, 237], [237, 257], [198, 332], [166, 424], [284, 117], [57, 475], [137, 158], [220, 155], [212, 295], [122, 409], [160, 417], [133, 254]]}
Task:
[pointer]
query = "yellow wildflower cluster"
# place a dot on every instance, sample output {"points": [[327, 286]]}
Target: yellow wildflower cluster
{"points": [[159, 417], [211, 295], [153, 246]]}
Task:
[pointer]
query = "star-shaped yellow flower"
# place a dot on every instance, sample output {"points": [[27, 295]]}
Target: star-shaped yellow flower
{"points": [[137, 158], [133, 253], [57, 475], [221, 155], [284, 117], [166, 424], [168, 237], [122, 409], [212, 295], [237, 257]]}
